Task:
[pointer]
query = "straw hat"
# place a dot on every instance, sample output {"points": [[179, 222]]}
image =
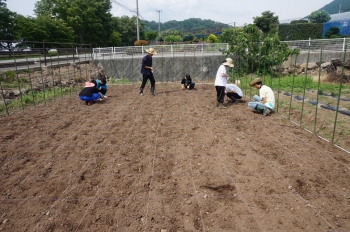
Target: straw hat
{"points": [[89, 84], [253, 82], [151, 51], [228, 62]]}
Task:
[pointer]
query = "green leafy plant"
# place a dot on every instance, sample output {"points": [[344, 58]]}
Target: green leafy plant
{"points": [[258, 54], [173, 38], [212, 39]]}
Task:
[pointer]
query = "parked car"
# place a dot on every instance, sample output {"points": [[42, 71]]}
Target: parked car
{"points": [[52, 51]]}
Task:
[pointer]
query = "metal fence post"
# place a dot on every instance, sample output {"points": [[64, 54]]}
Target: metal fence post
{"points": [[339, 95]]}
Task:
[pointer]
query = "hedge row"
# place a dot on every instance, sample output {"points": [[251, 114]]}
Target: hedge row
{"points": [[300, 31]]}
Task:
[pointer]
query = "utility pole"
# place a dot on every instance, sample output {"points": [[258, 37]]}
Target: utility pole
{"points": [[339, 8], [159, 22], [137, 19]]}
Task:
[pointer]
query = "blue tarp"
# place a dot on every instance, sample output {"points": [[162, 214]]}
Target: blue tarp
{"points": [[343, 25], [341, 20]]}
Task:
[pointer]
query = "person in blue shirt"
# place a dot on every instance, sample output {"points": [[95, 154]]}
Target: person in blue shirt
{"points": [[187, 83], [147, 71], [101, 85], [90, 93]]}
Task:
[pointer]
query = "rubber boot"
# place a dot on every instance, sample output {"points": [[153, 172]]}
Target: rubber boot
{"points": [[141, 91], [152, 91], [221, 106]]}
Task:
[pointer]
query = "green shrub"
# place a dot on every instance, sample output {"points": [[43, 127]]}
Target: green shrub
{"points": [[173, 38], [10, 76], [300, 31], [212, 39], [299, 21]]}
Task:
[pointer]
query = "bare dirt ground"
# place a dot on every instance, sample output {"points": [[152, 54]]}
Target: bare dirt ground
{"points": [[170, 162]]}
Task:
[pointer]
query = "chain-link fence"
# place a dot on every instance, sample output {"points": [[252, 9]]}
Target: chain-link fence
{"points": [[41, 73]]}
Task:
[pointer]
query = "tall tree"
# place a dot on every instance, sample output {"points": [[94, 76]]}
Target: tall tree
{"points": [[267, 22], [319, 16], [7, 25], [126, 26], [90, 19], [151, 36], [115, 39], [44, 28], [3, 3]]}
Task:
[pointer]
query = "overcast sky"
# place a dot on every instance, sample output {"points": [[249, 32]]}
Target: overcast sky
{"points": [[224, 11]]}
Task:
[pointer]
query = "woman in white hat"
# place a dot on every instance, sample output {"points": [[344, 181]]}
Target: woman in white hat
{"points": [[147, 71], [221, 81]]}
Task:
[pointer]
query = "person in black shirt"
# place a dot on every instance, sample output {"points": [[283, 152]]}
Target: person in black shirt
{"points": [[147, 71], [187, 83], [90, 93]]}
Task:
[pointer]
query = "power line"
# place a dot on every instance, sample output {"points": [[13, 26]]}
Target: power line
{"points": [[124, 6], [128, 8], [151, 5]]}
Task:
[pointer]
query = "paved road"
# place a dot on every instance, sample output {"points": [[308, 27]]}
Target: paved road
{"points": [[37, 63]]}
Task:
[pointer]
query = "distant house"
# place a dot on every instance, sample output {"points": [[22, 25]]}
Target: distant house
{"points": [[341, 20]]}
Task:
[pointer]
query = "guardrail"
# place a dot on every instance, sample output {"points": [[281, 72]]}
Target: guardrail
{"points": [[313, 45], [169, 49]]}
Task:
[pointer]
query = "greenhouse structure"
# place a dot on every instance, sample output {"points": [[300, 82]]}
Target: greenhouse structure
{"points": [[341, 20]]}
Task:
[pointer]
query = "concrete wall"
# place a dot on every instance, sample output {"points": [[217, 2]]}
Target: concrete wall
{"points": [[166, 69], [315, 57], [201, 68]]}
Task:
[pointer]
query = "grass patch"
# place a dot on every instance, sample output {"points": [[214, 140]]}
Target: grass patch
{"points": [[32, 98]]}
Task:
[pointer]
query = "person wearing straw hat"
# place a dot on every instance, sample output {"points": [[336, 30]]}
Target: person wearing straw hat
{"points": [[221, 81], [265, 102], [147, 71], [90, 93]]}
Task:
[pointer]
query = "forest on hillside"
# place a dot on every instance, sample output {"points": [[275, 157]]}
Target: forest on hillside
{"points": [[197, 25], [188, 26], [337, 6]]}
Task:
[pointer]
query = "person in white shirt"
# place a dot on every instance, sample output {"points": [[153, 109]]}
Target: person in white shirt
{"points": [[221, 81], [233, 92], [265, 102]]}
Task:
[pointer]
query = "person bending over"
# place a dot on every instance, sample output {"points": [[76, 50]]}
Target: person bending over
{"points": [[233, 92]]}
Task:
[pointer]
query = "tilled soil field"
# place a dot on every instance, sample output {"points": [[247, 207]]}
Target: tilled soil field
{"points": [[170, 162]]}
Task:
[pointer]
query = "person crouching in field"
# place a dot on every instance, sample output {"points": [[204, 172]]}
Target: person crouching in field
{"points": [[187, 83], [264, 103], [90, 93], [101, 85]]}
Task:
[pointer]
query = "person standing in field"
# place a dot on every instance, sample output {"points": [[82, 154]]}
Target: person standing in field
{"points": [[147, 71], [221, 81]]}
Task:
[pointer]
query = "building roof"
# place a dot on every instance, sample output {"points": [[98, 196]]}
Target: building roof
{"points": [[340, 17]]}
